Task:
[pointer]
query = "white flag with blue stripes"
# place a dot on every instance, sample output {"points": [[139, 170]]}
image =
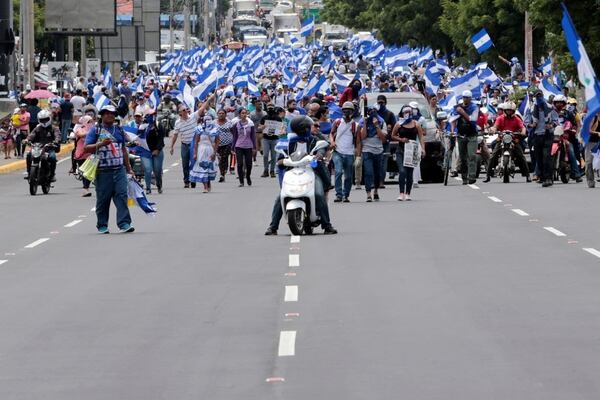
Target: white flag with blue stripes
{"points": [[482, 41], [307, 27]]}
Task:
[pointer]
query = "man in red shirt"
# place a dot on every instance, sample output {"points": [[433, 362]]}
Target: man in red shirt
{"points": [[509, 122]]}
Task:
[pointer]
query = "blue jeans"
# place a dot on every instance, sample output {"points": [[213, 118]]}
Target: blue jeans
{"points": [[153, 164], [185, 161], [405, 174], [344, 165], [111, 184], [384, 162], [64, 129], [268, 148], [575, 170], [372, 170]]}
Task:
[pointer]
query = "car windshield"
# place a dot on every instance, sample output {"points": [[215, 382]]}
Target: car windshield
{"points": [[395, 105], [245, 22], [335, 36]]}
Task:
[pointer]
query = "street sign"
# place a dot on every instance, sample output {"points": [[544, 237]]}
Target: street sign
{"points": [[92, 65]]}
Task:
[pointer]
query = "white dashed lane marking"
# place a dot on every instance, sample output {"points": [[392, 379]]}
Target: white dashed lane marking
{"points": [[174, 164], [295, 239], [3, 261], [291, 294], [554, 231], [592, 251], [520, 212], [165, 171], [294, 260], [494, 199], [36, 243], [475, 187], [72, 223], [287, 343]]}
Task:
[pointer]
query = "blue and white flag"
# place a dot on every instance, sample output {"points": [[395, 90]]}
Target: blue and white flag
{"points": [[108, 80], [548, 88], [136, 195], [523, 106], [377, 51], [585, 71], [100, 100], [138, 136], [488, 77], [207, 83], [293, 39], [307, 27], [482, 41], [546, 67], [425, 56], [433, 79], [468, 81], [154, 99]]}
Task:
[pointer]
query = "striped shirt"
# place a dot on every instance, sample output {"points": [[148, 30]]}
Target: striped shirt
{"points": [[186, 128]]}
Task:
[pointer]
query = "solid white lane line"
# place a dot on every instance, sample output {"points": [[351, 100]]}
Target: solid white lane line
{"points": [[73, 223], [295, 239], [165, 171], [36, 243], [294, 260], [494, 199], [287, 343], [291, 293], [592, 251], [474, 187], [520, 212], [3, 261], [554, 231], [174, 164]]}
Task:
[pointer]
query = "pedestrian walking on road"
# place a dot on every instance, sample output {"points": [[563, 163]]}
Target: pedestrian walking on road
{"points": [[81, 130], [372, 136], [406, 129], [244, 144], [225, 140], [22, 125], [6, 139], [205, 151], [185, 127], [591, 145], [343, 139], [107, 140]]}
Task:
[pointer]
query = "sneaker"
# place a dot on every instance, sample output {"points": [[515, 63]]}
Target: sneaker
{"points": [[330, 230], [186, 186], [472, 181], [528, 179], [193, 185], [407, 197], [265, 175], [401, 197], [103, 230], [249, 181], [271, 232], [337, 199], [453, 174], [241, 184], [86, 193], [487, 179], [547, 183], [126, 229], [415, 185], [159, 190], [346, 200], [376, 197], [222, 179], [273, 174], [369, 199], [578, 180], [148, 191]]}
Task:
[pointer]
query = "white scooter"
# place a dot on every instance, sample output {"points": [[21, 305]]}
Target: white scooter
{"points": [[298, 189]]}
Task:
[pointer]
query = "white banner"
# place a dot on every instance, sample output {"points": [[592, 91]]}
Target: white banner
{"points": [[411, 154], [274, 128], [61, 71], [92, 65]]}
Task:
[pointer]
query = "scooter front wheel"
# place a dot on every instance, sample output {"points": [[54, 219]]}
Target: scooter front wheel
{"points": [[33, 184], [506, 169], [296, 221]]}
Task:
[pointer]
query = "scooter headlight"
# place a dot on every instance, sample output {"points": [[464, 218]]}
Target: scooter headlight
{"points": [[507, 139]]}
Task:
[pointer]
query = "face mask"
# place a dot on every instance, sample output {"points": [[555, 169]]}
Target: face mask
{"points": [[348, 114], [46, 124], [539, 101], [407, 115], [291, 109], [415, 112], [381, 107]]}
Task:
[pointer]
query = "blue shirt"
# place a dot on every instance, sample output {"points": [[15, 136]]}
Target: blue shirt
{"points": [[105, 154]]}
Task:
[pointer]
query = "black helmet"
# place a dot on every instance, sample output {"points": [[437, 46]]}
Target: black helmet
{"points": [[301, 125], [167, 97]]}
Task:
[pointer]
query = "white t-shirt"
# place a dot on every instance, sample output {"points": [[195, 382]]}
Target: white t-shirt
{"points": [[344, 139]]}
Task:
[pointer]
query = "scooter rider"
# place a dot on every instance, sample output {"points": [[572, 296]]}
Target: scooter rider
{"points": [[511, 123], [45, 134], [302, 126], [167, 109]]}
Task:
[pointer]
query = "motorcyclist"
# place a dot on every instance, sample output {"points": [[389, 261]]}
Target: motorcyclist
{"points": [[511, 123], [301, 127], [167, 109], [564, 115], [45, 133]]}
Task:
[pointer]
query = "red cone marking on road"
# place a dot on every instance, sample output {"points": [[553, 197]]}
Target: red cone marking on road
{"points": [[275, 379], [290, 274], [572, 242], [292, 314]]}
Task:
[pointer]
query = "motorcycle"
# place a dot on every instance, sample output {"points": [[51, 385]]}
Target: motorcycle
{"points": [[480, 143], [560, 154], [506, 169], [39, 173], [167, 123], [298, 190]]}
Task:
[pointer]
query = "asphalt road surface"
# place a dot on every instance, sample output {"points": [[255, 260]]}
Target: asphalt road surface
{"points": [[468, 292]]}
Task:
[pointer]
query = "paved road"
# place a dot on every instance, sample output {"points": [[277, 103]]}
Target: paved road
{"points": [[456, 295]]}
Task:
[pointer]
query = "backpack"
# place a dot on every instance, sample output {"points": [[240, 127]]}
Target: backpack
{"points": [[337, 123]]}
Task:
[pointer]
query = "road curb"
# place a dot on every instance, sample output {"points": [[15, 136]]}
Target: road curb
{"points": [[65, 149]]}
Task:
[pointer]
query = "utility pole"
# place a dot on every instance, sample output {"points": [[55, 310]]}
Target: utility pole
{"points": [[171, 17], [206, 25], [25, 42], [83, 51], [186, 24], [70, 48], [528, 47]]}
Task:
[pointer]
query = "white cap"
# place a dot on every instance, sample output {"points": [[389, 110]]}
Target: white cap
{"points": [[467, 93]]}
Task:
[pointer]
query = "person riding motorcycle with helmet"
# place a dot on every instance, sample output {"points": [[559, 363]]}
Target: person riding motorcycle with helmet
{"points": [[565, 115], [301, 127], [509, 122], [45, 133]]}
